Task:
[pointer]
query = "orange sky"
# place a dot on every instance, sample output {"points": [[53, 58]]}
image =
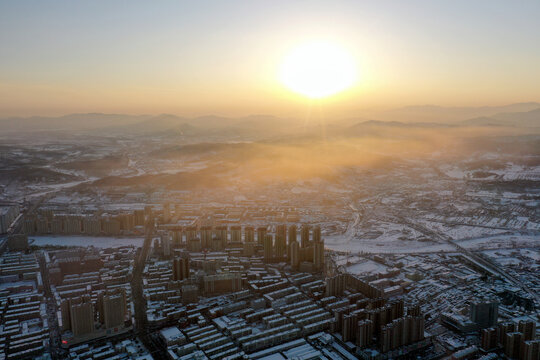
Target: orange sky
{"points": [[223, 57]]}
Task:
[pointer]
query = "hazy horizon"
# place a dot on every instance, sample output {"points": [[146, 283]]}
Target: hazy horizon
{"points": [[407, 114]]}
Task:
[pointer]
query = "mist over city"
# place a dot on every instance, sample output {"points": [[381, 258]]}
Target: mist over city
{"points": [[251, 180]]}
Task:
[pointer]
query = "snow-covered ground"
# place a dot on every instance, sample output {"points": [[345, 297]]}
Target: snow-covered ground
{"points": [[366, 266], [500, 241], [96, 241], [510, 172], [390, 244], [458, 231], [336, 242]]}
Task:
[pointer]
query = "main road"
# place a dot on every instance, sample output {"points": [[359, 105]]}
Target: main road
{"points": [[141, 323]]}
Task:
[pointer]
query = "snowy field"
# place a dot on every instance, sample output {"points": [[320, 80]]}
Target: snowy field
{"points": [[383, 246], [510, 172], [501, 241], [458, 232], [99, 242], [359, 265], [366, 266], [390, 245]]}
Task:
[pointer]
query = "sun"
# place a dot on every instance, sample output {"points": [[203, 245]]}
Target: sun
{"points": [[318, 69]]}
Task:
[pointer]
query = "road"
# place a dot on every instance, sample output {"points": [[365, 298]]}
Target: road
{"points": [[17, 226], [351, 228], [54, 330], [141, 324]]}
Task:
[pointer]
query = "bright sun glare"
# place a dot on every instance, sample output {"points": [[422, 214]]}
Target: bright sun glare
{"points": [[318, 69]]}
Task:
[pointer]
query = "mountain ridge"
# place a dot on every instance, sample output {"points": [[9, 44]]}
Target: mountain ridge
{"points": [[416, 116]]}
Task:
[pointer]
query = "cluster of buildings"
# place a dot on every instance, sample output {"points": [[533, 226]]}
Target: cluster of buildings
{"points": [[376, 321], [94, 223], [463, 305], [520, 263], [243, 212], [303, 250], [483, 314], [214, 288], [91, 291], [122, 350], [263, 293], [24, 326], [96, 220], [516, 339]]}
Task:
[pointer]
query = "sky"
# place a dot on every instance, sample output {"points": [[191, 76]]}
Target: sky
{"points": [[222, 57]]}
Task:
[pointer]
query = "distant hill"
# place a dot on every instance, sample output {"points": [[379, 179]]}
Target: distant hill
{"points": [[522, 114], [483, 121], [441, 114], [158, 125], [518, 119], [72, 122], [398, 124], [391, 129], [527, 118], [164, 123]]}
